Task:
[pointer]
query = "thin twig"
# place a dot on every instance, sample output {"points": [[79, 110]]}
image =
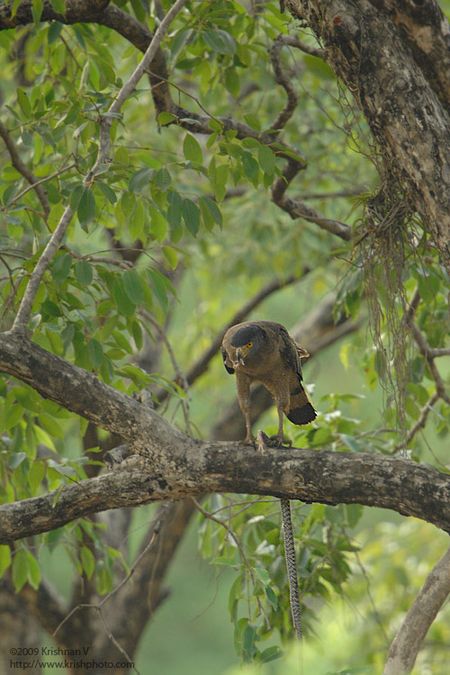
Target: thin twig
{"points": [[115, 642], [42, 180], [297, 208], [101, 164], [124, 264], [99, 606], [290, 41], [180, 377], [282, 79], [435, 353], [22, 168], [429, 355], [234, 537], [421, 422], [24, 311]]}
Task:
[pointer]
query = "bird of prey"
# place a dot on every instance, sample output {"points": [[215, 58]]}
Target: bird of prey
{"points": [[263, 351]]}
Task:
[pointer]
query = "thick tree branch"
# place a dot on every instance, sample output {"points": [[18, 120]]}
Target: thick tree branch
{"points": [[82, 392], [426, 29], [189, 467], [408, 641], [368, 52]]}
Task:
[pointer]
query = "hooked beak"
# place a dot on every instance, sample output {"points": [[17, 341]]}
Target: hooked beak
{"points": [[239, 359]]}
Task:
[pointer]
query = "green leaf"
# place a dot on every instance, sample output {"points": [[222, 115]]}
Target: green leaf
{"points": [[34, 571], [133, 286], [108, 192], [104, 579], [140, 179], [174, 211], [351, 443], [354, 513], [270, 654], [248, 643], [160, 286], [95, 351], [171, 256], [165, 118], [139, 9], [59, 6], [83, 272], [14, 7], [16, 459], [158, 224], [137, 333], [218, 176], [61, 268], [5, 558], [125, 306], [20, 569], [266, 159], [250, 166], [36, 475], [36, 10], [76, 195], [24, 102], [212, 209], [87, 561], [136, 374], [191, 216], [49, 423], [162, 179], [428, 286], [232, 82], [43, 437], [220, 41], [272, 598], [192, 150], [123, 341], [86, 208], [318, 67], [13, 415]]}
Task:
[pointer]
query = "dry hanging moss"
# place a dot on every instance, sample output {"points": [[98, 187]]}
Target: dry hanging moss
{"points": [[384, 248]]}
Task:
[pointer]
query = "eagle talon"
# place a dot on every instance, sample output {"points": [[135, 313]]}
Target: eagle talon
{"points": [[262, 441], [278, 441]]}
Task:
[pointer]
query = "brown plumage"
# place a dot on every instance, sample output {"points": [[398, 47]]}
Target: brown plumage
{"points": [[263, 351]]}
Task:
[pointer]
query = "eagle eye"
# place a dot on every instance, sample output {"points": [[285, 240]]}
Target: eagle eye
{"points": [[249, 344]]}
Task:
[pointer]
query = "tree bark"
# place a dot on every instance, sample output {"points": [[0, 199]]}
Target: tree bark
{"points": [[408, 641], [192, 467], [387, 53]]}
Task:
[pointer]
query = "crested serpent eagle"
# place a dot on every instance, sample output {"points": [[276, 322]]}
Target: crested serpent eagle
{"points": [[263, 351]]}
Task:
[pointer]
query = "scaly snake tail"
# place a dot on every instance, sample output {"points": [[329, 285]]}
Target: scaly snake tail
{"points": [[289, 552]]}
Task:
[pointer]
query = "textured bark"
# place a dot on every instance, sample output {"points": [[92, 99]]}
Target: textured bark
{"points": [[388, 53], [408, 641], [170, 465], [192, 467]]}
